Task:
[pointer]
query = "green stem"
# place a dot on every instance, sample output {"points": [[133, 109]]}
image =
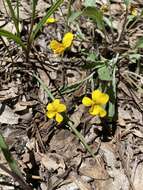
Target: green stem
{"points": [[12, 163], [34, 4], [81, 138], [44, 87]]}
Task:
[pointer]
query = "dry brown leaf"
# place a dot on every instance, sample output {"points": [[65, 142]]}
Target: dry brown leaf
{"points": [[120, 179], [93, 170], [81, 184], [124, 114], [7, 115], [137, 133], [45, 79], [65, 143], [76, 116], [53, 161], [9, 91], [138, 179]]}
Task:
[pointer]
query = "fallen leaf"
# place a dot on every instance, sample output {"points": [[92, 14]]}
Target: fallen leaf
{"points": [[7, 115], [53, 161], [138, 179]]}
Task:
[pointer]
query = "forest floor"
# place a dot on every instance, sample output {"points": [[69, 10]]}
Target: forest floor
{"points": [[110, 58]]}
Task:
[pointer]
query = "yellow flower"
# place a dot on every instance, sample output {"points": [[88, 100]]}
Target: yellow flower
{"points": [[104, 8], [98, 100], [54, 109], [133, 11], [51, 20], [58, 47]]}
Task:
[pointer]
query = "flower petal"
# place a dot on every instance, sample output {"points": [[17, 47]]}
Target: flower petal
{"points": [[51, 20], [59, 118], [94, 110], [96, 94], [67, 39], [50, 107], [56, 103], [87, 101], [102, 112], [97, 110], [104, 99], [99, 97], [61, 108], [50, 114], [57, 47], [134, 11]]}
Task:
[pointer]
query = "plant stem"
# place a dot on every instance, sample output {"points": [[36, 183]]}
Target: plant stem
{"points": [[81, 138], [16, 177], [44, 87], [12, 163]]}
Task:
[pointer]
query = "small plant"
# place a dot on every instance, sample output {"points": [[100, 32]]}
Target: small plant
{"points": [[33, 29], [55, 109], [100, 63]]}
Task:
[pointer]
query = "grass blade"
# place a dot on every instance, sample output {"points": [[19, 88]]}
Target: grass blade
{"points": [[14, 18], [12, 163], [13, 37], [44, 87], [15, 171], [43, 20], [81, 138]]}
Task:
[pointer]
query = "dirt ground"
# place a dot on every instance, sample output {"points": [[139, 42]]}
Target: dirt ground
{"points": [[50, 156]]}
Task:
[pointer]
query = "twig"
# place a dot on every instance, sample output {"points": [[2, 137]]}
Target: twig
{"points": [[7, 49], [123, 28], [17, 178], [125, 169]]}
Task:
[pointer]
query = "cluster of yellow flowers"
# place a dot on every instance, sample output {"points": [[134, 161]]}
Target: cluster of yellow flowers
{"points": [[96, 103], [60, 47]]}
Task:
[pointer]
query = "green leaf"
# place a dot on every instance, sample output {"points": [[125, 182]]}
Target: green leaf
{"points": [[13, 37], [73, 87], [14, 18], [92, 57], [80, 34], [34, 4], [93, 65], [74, 16], [139, 43], [96, 15], [43, 20], [44, 87], [81, 138], [127, 2], [90, 3], [141, 14], [104, 73], [111, 109], [134, 57], [12, 163], [108, 21]]}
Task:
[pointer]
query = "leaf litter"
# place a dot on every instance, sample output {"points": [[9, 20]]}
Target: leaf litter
{"points": [[52, 157]]}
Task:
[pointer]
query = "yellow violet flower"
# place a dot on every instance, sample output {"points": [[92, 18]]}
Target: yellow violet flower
{"points": [[104, 8], [51, 20], [98, 100], [54, 109], [133, 11], [59, 47]]}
